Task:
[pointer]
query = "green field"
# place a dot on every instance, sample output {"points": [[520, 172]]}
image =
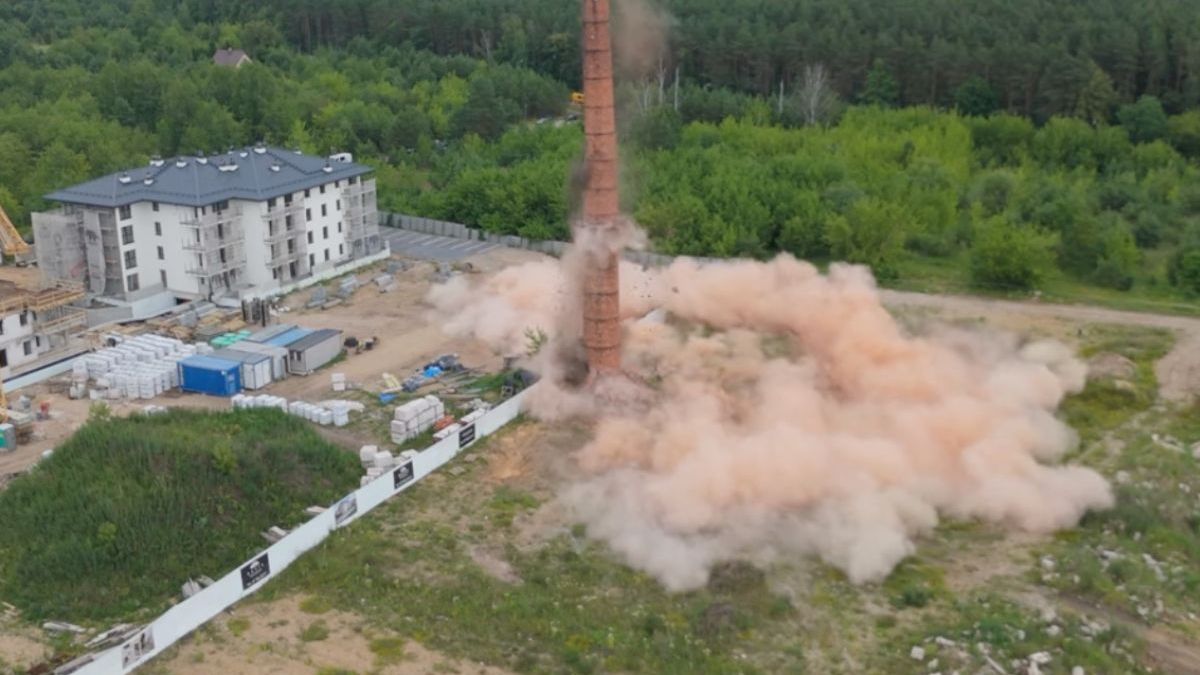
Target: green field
{"points": [[111, 525]]}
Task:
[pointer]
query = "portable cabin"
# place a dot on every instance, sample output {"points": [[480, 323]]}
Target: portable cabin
{"points": [[314, 350], [256, 368], [279, 356], [210, 375]]}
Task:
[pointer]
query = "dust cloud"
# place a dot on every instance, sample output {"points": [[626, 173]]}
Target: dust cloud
{"points": [[773, 411], [640, 37]]}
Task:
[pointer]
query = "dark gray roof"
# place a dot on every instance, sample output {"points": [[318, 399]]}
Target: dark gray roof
{"points": [[261, 173], [314, 338], [229, 57]]}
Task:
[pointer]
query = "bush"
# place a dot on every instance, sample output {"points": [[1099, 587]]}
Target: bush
{"points": [[1010, 257]]}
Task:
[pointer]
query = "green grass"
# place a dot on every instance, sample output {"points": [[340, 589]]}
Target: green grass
{"points": [[388, 651], [951, 275], [314, 632], [128, 509], [238, 625]]}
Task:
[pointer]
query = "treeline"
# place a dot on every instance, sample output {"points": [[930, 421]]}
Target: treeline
{"points": [[1038, 58], [1009, 202]]}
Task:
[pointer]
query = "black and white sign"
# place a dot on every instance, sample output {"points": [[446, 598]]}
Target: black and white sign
{"points": [[138, 647], [345, 509], [466, 436], [255, 571], [403, 475]]}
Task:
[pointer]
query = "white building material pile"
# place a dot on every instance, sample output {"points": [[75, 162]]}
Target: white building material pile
{"points": [[246, 402], [416, 417], [140, 367]]}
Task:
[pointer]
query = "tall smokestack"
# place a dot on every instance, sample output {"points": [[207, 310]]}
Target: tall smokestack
{"points": [[601, 203]]}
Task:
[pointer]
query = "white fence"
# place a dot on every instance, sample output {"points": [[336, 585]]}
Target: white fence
{"points": [[197, 610]]}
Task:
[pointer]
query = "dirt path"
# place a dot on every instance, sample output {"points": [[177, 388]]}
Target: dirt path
{"points": [[281, 637], [1178, 372]]}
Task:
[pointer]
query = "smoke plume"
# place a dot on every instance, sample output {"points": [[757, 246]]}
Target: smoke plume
{"points": [[782, 412], [640, 37]]}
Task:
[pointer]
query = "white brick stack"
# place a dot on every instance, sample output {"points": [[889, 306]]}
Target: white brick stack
{"points": [[142, 367], [416, 417]]}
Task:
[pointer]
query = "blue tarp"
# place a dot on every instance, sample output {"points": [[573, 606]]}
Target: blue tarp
{"points": [[432, 372]]}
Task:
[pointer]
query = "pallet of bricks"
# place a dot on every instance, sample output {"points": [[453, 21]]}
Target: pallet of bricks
{"points": [[416, 417], [139, 367]]}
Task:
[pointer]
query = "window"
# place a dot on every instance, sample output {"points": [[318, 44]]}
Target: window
{"points": [[352, 180], [291, 245], [3, 358], [24, 318], [326, 255], [275, 273], [220, 230], [312, 260], [221, 254], [341, 250], [325, 232], [337, 184], [307, 194], [28, 347], [287, 200], [130, 259], [308, 215], [162, 275], [125, 212], [339, 205], [131, 283], [162, 255], [221, 206], [157, 229], [288, 221], [322, 189], [270, 203], [324, 210], [339, 226], [127, 234], [154, 205]]}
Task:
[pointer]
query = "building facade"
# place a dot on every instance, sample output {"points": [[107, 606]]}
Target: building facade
{"points": [[210, 226], [35, 323]]}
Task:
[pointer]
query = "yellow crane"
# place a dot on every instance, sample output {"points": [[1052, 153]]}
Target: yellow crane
{"points": [[11, 243]]}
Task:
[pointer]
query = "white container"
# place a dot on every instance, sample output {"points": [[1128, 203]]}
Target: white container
{"points": [[325, 418], [383, 460]]}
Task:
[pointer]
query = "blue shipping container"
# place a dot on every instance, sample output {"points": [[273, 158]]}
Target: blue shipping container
{"points": [[285, 339], [209, 375]]}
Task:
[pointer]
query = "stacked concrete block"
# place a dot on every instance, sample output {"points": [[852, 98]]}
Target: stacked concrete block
{"points": [[142, 367], [416, 417]]}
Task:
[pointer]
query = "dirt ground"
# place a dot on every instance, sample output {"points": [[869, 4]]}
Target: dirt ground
{"points": [[265, 638]]}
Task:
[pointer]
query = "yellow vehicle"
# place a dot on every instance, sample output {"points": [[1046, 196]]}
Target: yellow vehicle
{"points": [[577, 98]]}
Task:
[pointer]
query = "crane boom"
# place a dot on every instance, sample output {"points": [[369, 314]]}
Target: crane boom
{"points": [[11, 242]]}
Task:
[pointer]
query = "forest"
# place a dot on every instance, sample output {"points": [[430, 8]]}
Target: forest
{"points": [[1016, 143]]}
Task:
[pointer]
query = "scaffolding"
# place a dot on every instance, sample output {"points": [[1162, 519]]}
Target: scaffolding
{"points": [[361, 218], [286, 240], [51, 309], [217, 247]]}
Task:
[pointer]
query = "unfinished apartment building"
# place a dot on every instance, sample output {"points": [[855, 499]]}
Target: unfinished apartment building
{"points": [[209, 226], [36, 323]]}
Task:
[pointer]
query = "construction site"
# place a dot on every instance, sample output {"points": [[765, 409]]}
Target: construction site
{"points": [[729, 466]]}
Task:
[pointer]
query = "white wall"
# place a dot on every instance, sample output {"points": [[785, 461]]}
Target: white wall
{"points": [[176, 260], [13, 339]]}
